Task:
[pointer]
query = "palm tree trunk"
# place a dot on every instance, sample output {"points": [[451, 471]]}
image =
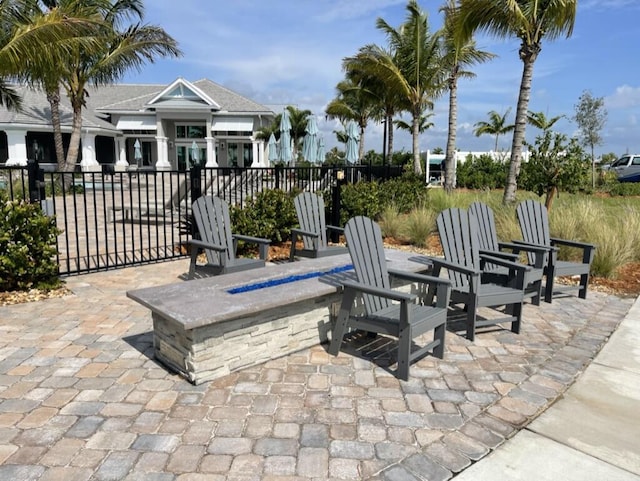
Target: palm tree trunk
{"points": [[361, 145], [415, 125], [450, 159], [74, 142], [390, 138], [521, 124], [53, 97]]}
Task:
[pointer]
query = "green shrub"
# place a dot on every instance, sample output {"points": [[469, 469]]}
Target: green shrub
{"points": [[406, 192], [482, 172], [624, 188], [362, 198], [270, 215], [27, 247]]}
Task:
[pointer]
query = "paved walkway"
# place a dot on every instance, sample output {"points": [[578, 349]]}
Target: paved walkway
{"points": [[81, 397]]}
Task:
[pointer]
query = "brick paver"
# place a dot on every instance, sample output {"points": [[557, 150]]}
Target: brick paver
{"points": [[81, 396]]}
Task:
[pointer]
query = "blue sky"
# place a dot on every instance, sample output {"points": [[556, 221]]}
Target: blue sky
{"points": [[289, 52]]}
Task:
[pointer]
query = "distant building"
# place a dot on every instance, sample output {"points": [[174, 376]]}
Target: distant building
{"points": [[153, 126], [435, 162]]}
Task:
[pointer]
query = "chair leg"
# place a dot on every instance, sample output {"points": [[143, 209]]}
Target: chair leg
{"points": [[404, 352], [192, 265], [471, 320], [548, 288], [342, 322], [535, 300], [438, 335], [584, 282], [292, 252], [516, 311]]}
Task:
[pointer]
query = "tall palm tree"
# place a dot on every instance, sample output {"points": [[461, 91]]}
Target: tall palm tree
{"points": [[540, 120], [410, 68], [423, 124], [25, 34], [497, 126], [123, 49], [354, 102], [530, 21], [459, 52]]}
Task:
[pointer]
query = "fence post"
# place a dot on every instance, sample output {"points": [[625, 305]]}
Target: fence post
{"points": [[196, 193], [36, 182], [338, 175], [278, 173]]}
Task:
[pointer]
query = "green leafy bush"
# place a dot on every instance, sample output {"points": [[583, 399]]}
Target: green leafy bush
{"points": [[270, 215], [27, 247], [482, 172], [406, 192], [624, 188], [362, 198]]}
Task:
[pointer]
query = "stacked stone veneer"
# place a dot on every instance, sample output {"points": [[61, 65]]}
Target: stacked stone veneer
{"points": [[215, 350]]}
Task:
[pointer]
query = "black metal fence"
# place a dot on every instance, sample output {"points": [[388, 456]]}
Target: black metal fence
{"points": [[114, 219]]}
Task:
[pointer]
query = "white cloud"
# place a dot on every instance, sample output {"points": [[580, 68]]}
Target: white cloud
{"points": [[624, 97]]}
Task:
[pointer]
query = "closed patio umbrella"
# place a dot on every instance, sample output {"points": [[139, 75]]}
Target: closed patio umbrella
{"points": [[137, 151], [273, 148], [194, 152], [310, 144], [321, 149], [353, 136], [285, 154]]}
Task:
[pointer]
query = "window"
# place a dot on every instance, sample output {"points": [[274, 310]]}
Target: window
{"points": [[190, 131]]}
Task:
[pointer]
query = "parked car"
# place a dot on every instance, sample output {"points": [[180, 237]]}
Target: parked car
{"points": [[627, 168]]}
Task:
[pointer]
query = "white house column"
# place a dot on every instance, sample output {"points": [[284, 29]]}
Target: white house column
{"points": [[163, 153], [89, 162], [211, 152], [121, 154], [257, 147], [17, 143]]}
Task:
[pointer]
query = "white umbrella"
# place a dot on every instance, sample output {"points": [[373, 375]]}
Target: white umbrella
{"points": [[353, 136], [321, 149], [273, 148], [310, 145], [194, 151], [137, 151], [285, 153]]}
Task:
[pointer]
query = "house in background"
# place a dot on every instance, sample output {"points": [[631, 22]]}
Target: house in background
{"points": [[144, 126]]}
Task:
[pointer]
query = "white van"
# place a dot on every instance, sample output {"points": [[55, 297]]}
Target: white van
{"points": [[627, 168]]}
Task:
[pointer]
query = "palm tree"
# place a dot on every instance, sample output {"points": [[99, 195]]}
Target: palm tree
{"points": [[530, 21], [497, 126], [25, 34], [458, 53], [540, 120], [423, 124], [354, 102], [410, 69]]}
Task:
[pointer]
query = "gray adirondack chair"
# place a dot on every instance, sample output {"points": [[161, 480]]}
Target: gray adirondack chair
{"points": [[491, 245], [534, 224], [388, 311], [211, 215], [313, 229], [459, 238]]}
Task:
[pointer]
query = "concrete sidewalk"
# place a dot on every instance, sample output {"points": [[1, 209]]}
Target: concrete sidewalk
{"points": [[591, 434], [82, 398]]}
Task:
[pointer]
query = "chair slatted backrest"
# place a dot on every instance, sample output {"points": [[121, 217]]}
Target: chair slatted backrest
{"points": [[310, 210], [487, 234], [364, 241], [211, 215], [534, 224], [459, 239]]}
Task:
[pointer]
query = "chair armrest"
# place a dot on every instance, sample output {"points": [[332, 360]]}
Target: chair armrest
{"points": [[335, 228], [572, 243], [300, 232], [254, 240], [377, 291], [206, 245], [537, 246], [522, 246], [454, 267], [505, 263], [503, 255], [415, 277]]}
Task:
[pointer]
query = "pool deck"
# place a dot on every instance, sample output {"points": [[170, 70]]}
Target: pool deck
{"points": [[81, 398]]}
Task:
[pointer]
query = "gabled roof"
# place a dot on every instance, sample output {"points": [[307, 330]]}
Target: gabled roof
{"points": [[132, 99]]}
